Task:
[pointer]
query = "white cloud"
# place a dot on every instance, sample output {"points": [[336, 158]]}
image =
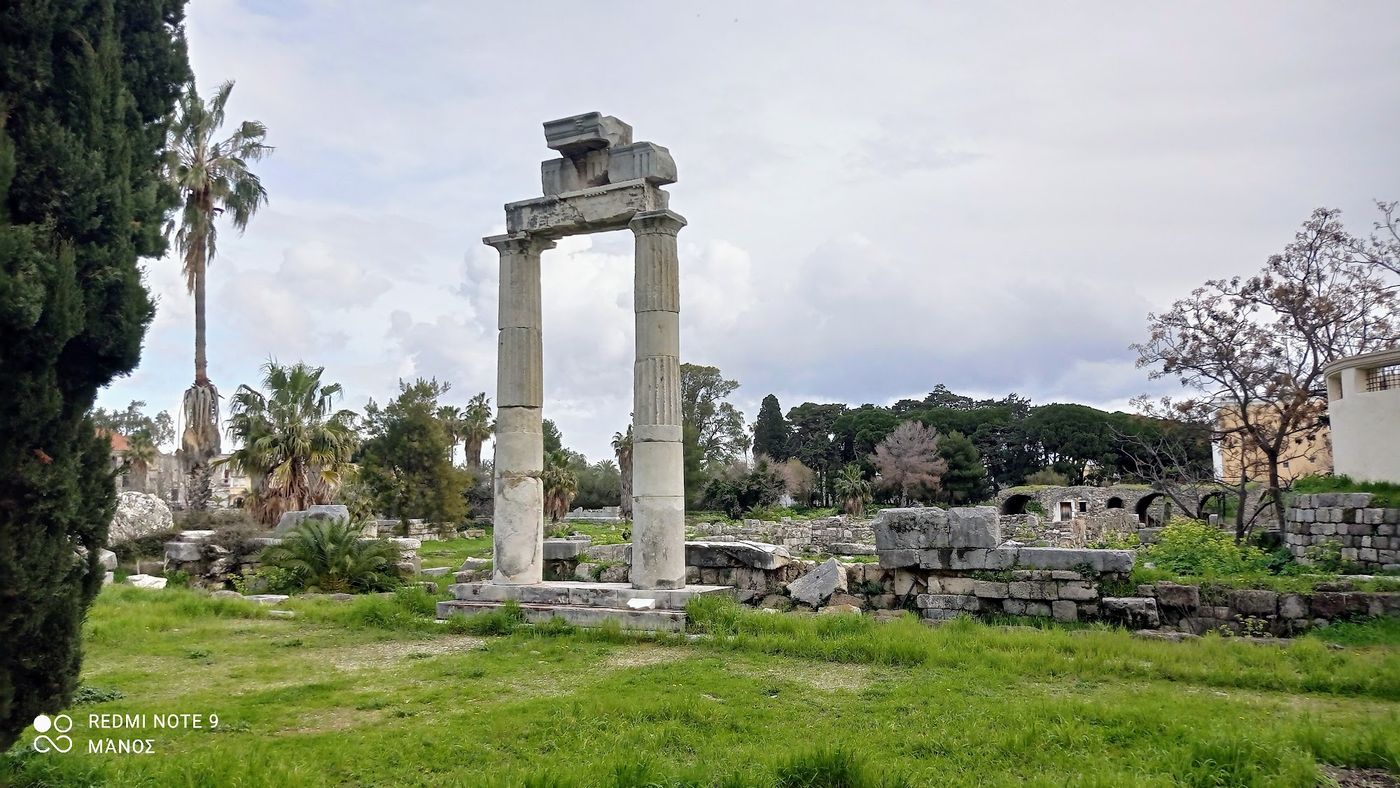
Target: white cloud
{"points": [[990, 198]]}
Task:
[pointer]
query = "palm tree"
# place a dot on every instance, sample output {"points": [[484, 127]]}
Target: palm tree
{"points": [[622, 447], [295, 450], [853, 490], [140, 454], [453, 421], [211, 177], [329, 556], [560, 485], [476, 428]]}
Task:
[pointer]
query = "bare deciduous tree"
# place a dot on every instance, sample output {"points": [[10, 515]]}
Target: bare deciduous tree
{"points": [[907, 460], [1254, 349]]}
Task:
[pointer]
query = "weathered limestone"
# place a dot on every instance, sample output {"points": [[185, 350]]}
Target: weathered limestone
{"points": [[603, 181], [518, 537], [658, 487]]}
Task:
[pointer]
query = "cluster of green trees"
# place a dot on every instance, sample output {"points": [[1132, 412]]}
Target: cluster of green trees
{"points": [[985, 444]]}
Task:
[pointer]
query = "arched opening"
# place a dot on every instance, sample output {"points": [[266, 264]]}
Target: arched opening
{"points": [[1144, 510], [1015, 504], [1211, 503], [1114, 503]]}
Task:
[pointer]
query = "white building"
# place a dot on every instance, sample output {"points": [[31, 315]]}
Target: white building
{"points": [[1363, 403]]}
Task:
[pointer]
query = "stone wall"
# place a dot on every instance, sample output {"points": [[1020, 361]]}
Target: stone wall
{"points": [[1367, 536], [839, 535], [1083, 531], [212, 560], [1198, 610]]}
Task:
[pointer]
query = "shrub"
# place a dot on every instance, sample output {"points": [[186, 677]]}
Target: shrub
{"points": [[329, 556], [1191, 547]]}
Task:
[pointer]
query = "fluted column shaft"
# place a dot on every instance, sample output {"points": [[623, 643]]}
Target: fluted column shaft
{"points": [[658, 482], [518, 530]]}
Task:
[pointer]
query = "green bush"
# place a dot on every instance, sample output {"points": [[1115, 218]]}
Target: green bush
{"points": [[1191, 547], [330, 556]]}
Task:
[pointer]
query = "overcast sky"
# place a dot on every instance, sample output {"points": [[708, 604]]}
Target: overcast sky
{"points": [[882, 196]]}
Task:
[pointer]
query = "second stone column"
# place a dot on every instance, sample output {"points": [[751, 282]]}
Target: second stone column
{"points": [[658, 482]]}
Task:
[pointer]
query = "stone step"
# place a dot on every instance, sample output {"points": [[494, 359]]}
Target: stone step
{"points": [[641, 620], [581, 594]]}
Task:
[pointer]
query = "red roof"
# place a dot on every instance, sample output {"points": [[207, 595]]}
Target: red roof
{"points": [[119, 442]]}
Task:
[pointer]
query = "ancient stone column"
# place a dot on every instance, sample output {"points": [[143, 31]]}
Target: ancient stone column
{"points": [[519, 512], [658, 486]]}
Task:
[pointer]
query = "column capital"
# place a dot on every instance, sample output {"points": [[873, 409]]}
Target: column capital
{"points": [[657, 222], [518, 243]]}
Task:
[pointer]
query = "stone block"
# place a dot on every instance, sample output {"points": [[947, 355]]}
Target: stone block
{"points": [[183, 551], [1028, 589], [474, 564], [819, 584], [908, 529], [901, 558], [947, 602], [577, 134], [845, 599], [107, 559], [1078, 590], [990, 589], [957, 585], [1327, 605], [614, 574], [641, 160], [1254, 602], [1118, 561], [1064, 611], [906, 582], [1132, 612], [1182, 598], [756, 555], [565, 549]]}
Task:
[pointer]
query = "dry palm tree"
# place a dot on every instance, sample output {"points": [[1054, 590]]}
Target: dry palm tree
{"points": [[295, 448], [560, 485], [453, 421], [140, 454], [476, 428], [622, 447], [211, 177]]}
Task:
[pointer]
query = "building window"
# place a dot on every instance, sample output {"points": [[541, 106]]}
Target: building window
{"points": [[1383, 378], [1083, 506]]}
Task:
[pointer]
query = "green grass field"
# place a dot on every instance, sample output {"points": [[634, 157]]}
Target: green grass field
{"points": [[373, 693]]}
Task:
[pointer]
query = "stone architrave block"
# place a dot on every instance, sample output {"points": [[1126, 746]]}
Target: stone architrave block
{"points": [[754, 555], [909, 528], [641, 161], [1120, 561], [578, 134], [818, 585]]}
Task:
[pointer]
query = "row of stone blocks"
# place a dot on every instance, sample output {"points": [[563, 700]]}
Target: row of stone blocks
{"points": [[1337, 514], [1185, 608], [581, 604]]}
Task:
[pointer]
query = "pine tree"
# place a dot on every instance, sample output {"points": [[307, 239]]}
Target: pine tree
{"points": [[84, 92], [771, 431], [965, 480]]}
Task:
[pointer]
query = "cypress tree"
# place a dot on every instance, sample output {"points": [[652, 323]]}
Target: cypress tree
{"points": [[771, 431], [85, 88]]}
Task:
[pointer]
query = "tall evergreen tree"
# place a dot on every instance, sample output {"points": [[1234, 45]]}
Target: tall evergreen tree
{"points": [[771, 431], [965, 480], [403, 461], [84, 92]]}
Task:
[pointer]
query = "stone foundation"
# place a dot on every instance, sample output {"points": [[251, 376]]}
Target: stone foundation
{"points": [[839, 535], [1366, 536]]}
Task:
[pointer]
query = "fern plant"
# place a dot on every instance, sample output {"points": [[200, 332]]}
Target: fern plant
{"points": [[330, 556]]}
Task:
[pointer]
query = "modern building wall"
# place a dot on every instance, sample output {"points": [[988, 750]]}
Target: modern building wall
{"points": [[1363, 403], [1310, 456]]}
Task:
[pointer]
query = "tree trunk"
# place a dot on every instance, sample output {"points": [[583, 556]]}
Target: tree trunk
{"points": [[1239, 511], [1276, 492], [201, 362]]}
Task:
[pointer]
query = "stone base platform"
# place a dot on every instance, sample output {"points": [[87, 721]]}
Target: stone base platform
{"points": [[582, 604]]}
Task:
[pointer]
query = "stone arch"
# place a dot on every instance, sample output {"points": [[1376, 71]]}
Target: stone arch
{"points": [[1114, 503], [1015, 504], [1143, 508], [1202, 512]]}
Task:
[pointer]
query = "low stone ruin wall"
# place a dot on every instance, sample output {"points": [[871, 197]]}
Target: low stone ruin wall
{"points": [[212, 565], [1197, 610], [1084, 530], [839, 535], [1367, 536]]}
